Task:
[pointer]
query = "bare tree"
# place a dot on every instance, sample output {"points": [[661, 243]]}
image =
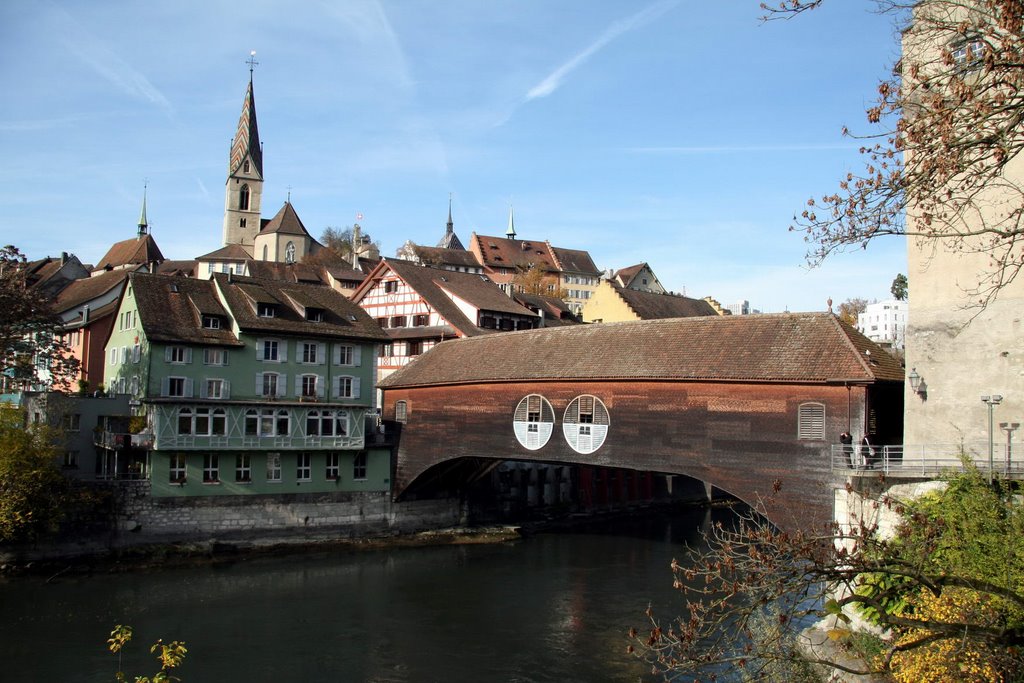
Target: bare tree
{"points": [[943, 164]]}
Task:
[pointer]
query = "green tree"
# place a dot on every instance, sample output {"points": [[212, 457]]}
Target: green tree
{"points": [[948, 586], [32, 351], [32, 489], [899, 287], [944, 141]]}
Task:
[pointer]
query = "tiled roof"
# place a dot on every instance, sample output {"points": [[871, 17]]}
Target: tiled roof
{"points": [[502, 252], [232, 252], [247, 137], [168, 311], [574, 261], [553, 307], [433, 332], [344, 274], [434, 286], [83, 291], [651, 306], [342, 318], [442, 256], [792, 347], [94, 315], [183, 267], [286, 272], [286, 222], [625, 275], [135, 251]]}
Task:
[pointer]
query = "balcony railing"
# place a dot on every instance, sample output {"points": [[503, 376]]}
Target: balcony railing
{"points": [[927, 460]]}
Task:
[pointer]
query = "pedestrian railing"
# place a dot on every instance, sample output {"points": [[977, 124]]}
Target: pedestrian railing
{"points": [[927, 460]]}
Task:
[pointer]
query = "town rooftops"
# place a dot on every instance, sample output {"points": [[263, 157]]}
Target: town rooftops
{"points": [[82, 291], [626, 275], [171, 310], [230, 253], [136, 251], [505, 252], [446, 256], [287, 222], [574, 261], [813, 348]]}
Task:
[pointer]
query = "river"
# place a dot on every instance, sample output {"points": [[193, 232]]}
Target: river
{"points": [[552, 607]]}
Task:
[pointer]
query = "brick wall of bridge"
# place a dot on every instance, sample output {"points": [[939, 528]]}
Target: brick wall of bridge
{"points": [[739, 437]]}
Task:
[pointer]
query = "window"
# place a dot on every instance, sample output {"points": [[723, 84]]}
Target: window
{"points": [[136, 353], [359, 466], [383, 322], [211, 322], [202, 422], [344, 354], [243, 468], [113, 357], [215, 357], [177, 468], [273, 467], [811, 421], [176, 387], [390, 286], [398, 321], [387, 350], [308, 388], [265, 310], [303, 468], [533, 421], [243, 198], [179, 355], [252, 422], [347, 387], [219, 422], [488, 322], [333, 470], [507, 324], [315, 315], [268, 384], [327, 423], [215, 389], [968, 52], [124, 354], [70, 459], [73, 422], [282, 423], [311, 353], [211, 468], [269, 350], [585, 424], [414, 348], [421, 320], [401, 411]]}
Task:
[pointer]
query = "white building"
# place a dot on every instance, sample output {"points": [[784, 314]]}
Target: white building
{"points": [[884, 322]]}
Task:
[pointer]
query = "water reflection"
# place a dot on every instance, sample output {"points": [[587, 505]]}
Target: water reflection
{"points": [[552, 607]]}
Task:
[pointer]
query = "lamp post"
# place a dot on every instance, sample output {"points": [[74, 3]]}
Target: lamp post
{"points": [[1009, 428], [991, 401]]}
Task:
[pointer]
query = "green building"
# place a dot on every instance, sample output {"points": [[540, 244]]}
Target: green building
{"points": [[243, 386]]}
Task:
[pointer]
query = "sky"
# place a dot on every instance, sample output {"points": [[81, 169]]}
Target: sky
{"points": [[681, 133]]}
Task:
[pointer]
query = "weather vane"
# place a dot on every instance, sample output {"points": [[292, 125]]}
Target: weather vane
{"points": [[251, 62]]}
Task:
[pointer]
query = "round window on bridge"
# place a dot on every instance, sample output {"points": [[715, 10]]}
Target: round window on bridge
{"points": [[533, 421], [585, 424]]}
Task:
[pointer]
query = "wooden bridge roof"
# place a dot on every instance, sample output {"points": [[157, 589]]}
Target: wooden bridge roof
{"points": [[791, 347]]}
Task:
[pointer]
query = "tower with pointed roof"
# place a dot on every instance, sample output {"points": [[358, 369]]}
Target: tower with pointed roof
{"points": [[450, 240], [244, 188]]}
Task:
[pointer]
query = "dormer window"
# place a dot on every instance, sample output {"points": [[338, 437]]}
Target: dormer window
{"points": [[211, 322], [266, 310], [315, 315]]}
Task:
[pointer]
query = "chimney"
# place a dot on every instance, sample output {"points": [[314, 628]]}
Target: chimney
{"points": [[63, 257]]}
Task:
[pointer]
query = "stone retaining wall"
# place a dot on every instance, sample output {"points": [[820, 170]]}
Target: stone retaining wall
{"points": [[349, 514]]}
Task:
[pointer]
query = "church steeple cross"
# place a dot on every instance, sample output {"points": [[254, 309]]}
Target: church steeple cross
{"points": [[252, 62]]}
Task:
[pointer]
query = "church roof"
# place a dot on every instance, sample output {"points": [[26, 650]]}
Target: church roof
{"points": [[136, 251], [247, 137], [286, 222], [812, 348]]}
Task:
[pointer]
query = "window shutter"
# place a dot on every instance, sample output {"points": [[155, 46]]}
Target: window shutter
{"points": [[164, 386], [336, 354], [355, 387], [320, 388], [321, 354], [259, 348], [167, 354], [188, 354], [298, 385], [204, 388], [259, 383], [225, 389], [336, 389], [225, 354], [189, 389], [357, 355], [113, 356], [136, 353], [282, 381], [282, 351]]}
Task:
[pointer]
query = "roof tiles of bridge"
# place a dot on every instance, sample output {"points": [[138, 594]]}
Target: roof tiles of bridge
{"points": [[791, 347]]}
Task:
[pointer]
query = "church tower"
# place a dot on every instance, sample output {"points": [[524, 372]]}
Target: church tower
{"points": [[245, 176]]}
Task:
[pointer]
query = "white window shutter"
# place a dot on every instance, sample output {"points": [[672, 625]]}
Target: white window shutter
{"points": [[320, 386], [321, 354], [225, 355], [188, 354], [357, 355], [282, 381], [298, 385], [336, 389], [167, 354], [164, 386], [189, 389], [259, 383], [336, 354], [204, 388], [259, 349], [282, 351], [225, 389], [355, 386]]}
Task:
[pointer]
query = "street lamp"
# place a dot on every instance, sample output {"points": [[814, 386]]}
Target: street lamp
{"points": [[1009, 428], [991, 401]]}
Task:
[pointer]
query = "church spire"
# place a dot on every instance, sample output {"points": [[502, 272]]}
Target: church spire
{"points": [[246, 145], [511, 232], [244, 187], [143, 223], [450, 227]]}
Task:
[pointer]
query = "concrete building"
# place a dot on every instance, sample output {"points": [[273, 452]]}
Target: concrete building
{"points": [[884, 322]]}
